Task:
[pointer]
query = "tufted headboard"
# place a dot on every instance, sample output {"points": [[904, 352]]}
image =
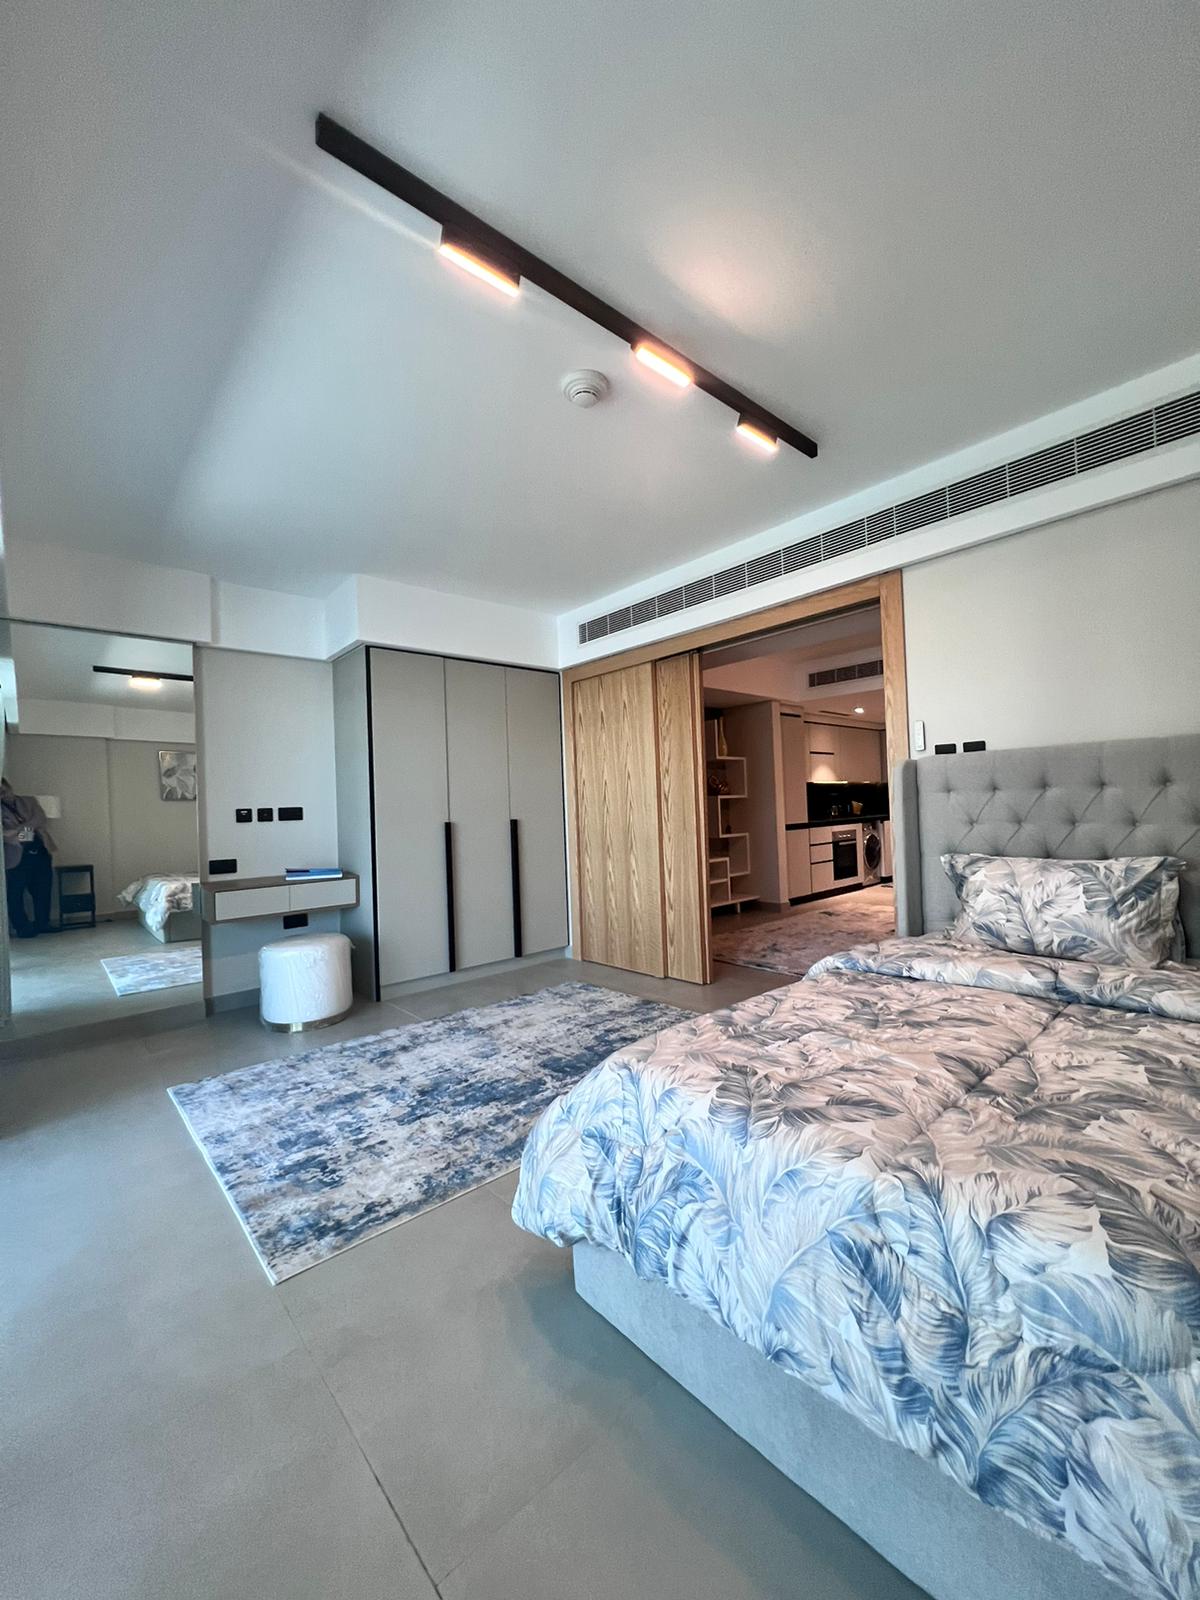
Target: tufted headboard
{"points": [[1128, 797]]}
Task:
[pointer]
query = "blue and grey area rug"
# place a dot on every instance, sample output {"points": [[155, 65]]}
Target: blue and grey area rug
{"points": [[319, 1151], [161, 969]]}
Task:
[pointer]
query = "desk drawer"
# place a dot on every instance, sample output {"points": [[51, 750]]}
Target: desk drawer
{"points": [[231, 904], [324, 895]]}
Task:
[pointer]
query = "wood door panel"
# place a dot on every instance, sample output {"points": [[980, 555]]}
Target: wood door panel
{"points": [[617, 828], [680, 769]]}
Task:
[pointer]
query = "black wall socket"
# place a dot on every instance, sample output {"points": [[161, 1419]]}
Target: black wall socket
{"points": [[242, 814], [266, 813]]}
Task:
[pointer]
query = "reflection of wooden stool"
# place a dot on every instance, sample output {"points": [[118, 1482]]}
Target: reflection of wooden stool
{"points": [[79, 903]]}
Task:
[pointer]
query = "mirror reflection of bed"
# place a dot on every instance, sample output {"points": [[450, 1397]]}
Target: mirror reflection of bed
{"points": [[100, 837]]}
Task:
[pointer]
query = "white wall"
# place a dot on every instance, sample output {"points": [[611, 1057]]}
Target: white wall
{"points": [[380, 611], [113, 813], [264, 727], [265, 736], [86, 719], [1084, 630]]}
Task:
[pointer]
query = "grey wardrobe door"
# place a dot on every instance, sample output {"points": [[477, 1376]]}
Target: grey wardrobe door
{"points": [[408, 742], [535, 787], [477, 755]]}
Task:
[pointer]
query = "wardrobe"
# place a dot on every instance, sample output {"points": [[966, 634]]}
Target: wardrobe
{"points": [[450, 807]]}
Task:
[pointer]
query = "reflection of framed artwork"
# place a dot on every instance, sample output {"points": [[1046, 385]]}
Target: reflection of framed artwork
{"points": [[177, 774]]}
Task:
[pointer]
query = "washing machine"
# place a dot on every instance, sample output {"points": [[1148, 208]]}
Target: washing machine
{"points": [[872, 851]]}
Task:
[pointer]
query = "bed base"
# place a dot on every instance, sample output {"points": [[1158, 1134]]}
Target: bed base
{"points": [[920, 1520]]}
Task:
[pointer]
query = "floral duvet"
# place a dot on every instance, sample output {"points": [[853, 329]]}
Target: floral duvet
{"points": [[958, 1192]]}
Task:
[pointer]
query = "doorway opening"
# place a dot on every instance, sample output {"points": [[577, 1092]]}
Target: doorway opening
{"points": [[798, 815], [101, 852]]}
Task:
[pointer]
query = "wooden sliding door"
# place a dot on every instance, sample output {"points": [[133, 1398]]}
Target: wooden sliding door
{"points": [[616, 776], [636, 788], [681, 769]]}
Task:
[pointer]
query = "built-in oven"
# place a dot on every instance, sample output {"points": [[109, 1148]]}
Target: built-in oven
{"points": [[845, 853]]}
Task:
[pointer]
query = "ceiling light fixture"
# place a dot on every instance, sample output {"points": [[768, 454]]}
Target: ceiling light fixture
{"points": [[860, 711], [475, 264], [757, 436], [506, 264], [658, 361], [147, 677], [139, 680]]}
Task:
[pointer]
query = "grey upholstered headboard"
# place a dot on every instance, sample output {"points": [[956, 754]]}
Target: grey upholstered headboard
{"points": [[1129, 797]]}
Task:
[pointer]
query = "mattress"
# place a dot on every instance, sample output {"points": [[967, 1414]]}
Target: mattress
{"points": [[954, 1191]]}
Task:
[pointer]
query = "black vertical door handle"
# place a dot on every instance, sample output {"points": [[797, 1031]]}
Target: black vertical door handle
{"points": [[450, 930], [514, 851]]}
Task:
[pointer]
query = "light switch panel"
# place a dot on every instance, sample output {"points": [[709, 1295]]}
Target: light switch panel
{"points": [[918, 736]]}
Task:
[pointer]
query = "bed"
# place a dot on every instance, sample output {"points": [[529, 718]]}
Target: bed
{"points": [[167, 905], [950, 1194]]}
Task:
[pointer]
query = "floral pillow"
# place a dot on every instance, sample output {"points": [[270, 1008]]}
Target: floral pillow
{"points": [[1121, 911]]}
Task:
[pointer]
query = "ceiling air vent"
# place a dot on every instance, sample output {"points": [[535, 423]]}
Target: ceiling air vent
{"points": [[1042, 467], [881, 525], [861, 669], [1145, 430], [1116, 441], [804, 553], [763, 568], [919, 513], [971, 493], [1178, 419], [850, 536]]}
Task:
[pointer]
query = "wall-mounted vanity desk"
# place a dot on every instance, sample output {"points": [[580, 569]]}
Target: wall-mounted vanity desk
{"points": [[237, 899]]}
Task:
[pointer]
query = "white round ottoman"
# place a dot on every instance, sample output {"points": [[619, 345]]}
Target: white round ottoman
{"points": [[305, 982]]}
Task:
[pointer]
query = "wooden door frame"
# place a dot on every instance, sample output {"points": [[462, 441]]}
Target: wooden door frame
{"points": [[886, 589]]}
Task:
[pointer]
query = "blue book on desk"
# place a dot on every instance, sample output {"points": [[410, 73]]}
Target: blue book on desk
{"points": [[300, 874]]}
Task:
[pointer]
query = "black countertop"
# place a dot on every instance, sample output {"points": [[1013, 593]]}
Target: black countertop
{"points": [[834, 822]]}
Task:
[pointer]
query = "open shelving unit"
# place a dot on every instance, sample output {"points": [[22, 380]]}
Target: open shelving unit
{"points": [[727, 782]]}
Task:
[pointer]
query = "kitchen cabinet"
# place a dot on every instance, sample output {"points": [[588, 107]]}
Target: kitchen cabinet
{"points": [[839, 754], [799, 868], [794, 732], [824, 755], [860, 754]]}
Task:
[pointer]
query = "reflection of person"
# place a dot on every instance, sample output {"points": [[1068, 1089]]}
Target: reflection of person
{"points": [[28, 846]]}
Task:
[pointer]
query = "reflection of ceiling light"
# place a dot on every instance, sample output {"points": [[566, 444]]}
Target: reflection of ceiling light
{"points": [[141, 681], [479, 268], [759, 437], [860, 711], [658, 361]]}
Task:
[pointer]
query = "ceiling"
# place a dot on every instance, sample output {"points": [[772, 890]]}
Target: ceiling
{"points": [[56, 664], [776, 666], [903, 226]]}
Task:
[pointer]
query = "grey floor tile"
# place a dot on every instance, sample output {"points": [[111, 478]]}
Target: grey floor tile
{"points": [[469, 1369], [669, 1503], [315, 1527]]}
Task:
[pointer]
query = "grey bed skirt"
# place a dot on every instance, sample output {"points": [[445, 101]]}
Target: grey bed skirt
{"points": [[937, 1534]]}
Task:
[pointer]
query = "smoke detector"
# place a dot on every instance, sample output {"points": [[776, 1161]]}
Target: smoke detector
{"points": [[586, 388]]}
